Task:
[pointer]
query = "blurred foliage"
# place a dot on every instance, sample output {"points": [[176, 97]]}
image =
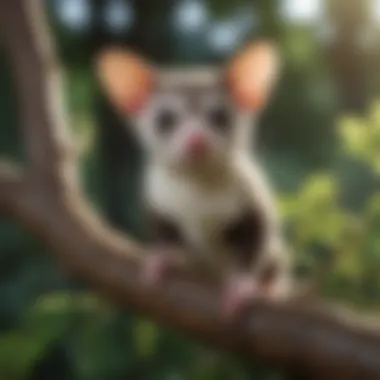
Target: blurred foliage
{"points": [[320, 138], [362, 137], [319, 222]]}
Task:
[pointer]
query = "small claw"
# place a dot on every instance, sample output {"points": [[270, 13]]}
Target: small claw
{"points": [[156, 267], [239, 292]]}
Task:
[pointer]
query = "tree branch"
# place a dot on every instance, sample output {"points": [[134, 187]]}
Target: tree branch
{"points": [[10, 186], [49, 202], [37, 75]]}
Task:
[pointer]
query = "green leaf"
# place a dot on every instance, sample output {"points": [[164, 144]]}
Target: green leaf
{"points": [[146, 335], [29, 342], [372, 208]]}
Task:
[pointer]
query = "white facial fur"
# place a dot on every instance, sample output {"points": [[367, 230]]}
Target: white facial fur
{"points": [[192, 103]]}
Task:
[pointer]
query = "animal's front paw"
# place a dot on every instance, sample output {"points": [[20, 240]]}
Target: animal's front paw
{"points": [[238, 292], [156, 267], [241, 290]]}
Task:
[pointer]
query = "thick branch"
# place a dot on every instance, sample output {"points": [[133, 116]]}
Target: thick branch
{"points": [[286, 336], [10, 186], [36, 72]]}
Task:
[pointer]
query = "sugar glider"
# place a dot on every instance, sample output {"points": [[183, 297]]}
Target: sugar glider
{"points": [[204, 189]]}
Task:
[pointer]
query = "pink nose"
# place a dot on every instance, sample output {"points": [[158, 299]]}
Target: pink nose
{"points": [[196, 144]]}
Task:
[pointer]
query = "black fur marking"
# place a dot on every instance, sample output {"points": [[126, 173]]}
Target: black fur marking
{"points": [[220, 118], [246, 237], [162, 231], [166, 121]]}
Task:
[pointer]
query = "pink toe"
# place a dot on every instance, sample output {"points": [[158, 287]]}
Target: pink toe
{"points": [[155, 269], [239, 292]]}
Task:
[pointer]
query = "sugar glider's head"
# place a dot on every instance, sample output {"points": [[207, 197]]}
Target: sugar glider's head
{"points": [[187, 117]]}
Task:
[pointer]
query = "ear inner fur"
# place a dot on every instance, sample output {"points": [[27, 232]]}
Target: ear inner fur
{"points": [[126, 78], [251, 75]]}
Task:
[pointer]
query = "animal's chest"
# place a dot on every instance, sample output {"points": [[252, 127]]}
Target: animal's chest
{"points": [[200, 213]]}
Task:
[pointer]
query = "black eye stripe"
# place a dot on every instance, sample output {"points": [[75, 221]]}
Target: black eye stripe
{"points": [[166, 121], [220, 117], [209, 105]]}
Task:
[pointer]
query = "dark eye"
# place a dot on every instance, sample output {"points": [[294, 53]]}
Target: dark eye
{"points": [[220, 118], [166, 121]]}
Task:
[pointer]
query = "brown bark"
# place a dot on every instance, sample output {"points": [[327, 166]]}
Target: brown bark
{"points": [[46, 199]]}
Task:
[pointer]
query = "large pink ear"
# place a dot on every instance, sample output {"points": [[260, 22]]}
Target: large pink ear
{"points": [[251, 75], [126, 78]]}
